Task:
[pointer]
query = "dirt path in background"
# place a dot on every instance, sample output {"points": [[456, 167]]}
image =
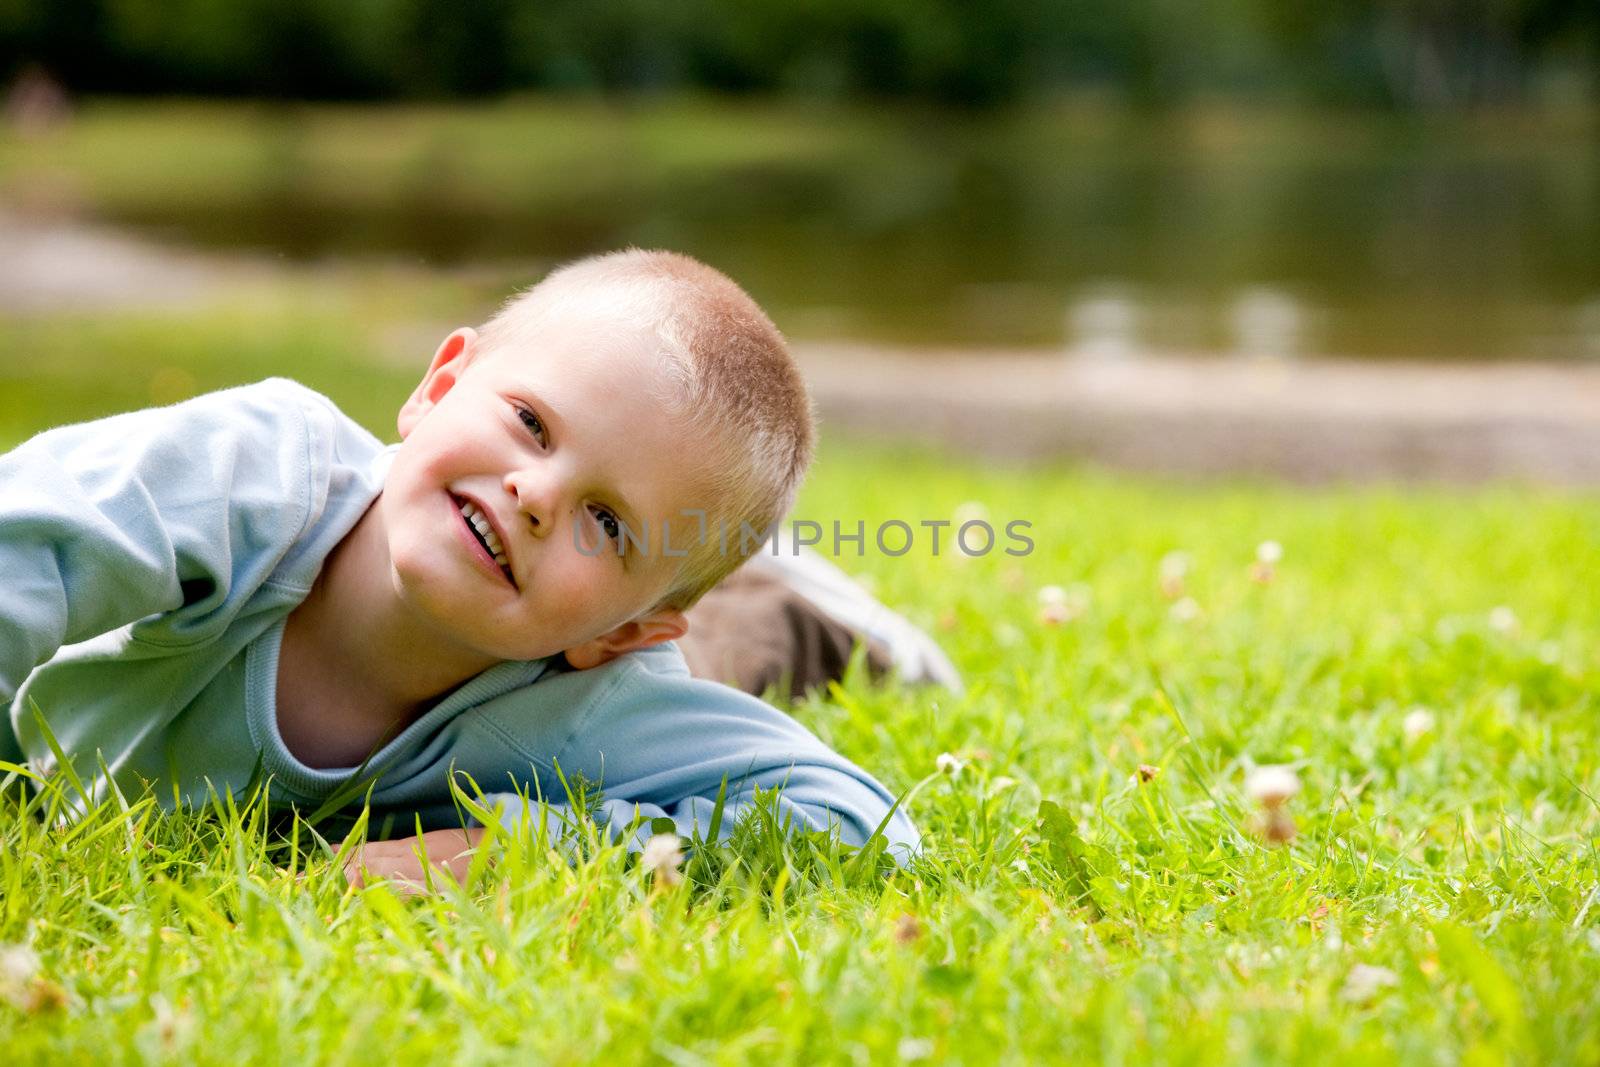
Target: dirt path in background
{"points": [[62, 266], [1307, 420]]}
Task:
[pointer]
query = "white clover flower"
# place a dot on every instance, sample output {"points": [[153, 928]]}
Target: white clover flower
{"points": [[19, 967], [969, 511], [1502, 620], [1174, 565], [171, 1024], [1366, 981], [1270, 786], [18, 964], [1171, 571], [1058, 605], [1417, 724], [1269, 553], [948, 763], [1185, 610], [912, 1049], [663, 855]]}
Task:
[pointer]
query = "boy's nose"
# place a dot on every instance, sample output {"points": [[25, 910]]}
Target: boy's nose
{"points": [[536, 498]]}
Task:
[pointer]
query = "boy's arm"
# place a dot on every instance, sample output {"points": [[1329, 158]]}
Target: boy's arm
{"points": [[660, 745], [108, 522]]}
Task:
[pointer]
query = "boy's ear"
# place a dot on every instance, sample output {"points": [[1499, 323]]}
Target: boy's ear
{"points": [[454, 356], [663, 624]]}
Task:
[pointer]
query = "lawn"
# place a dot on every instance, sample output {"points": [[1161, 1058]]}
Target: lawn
{"points": [[1425, 660]]}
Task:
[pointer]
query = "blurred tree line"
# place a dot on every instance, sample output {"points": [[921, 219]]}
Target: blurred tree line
{"points": [[1398, 53]]}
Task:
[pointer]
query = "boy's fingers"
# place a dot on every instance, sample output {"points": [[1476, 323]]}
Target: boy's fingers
{"points": [[366, 864], [408, 864]]}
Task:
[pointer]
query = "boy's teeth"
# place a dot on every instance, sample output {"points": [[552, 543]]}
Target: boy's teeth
{"points": [[490, 539]]}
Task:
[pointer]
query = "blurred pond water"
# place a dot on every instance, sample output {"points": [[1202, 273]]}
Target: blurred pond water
{"points": [[1098, 231]]}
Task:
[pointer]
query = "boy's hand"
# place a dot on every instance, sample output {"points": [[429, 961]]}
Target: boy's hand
{"points": [[400, 861]]}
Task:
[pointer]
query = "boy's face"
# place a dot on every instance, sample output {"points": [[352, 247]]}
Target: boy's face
{"points": [[554, 448]]}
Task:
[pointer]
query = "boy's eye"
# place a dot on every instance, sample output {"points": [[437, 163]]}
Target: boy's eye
{"points": [[610, 524], [532, 422]]}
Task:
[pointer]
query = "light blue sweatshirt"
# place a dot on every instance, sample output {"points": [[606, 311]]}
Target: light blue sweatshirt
{"points": [[148, 562]]}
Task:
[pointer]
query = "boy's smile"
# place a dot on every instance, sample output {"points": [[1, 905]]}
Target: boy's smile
{"points": [[505, 505], [484, 533]]}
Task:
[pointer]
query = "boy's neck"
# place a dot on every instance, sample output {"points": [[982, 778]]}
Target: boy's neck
{"points": [[350, 632]]}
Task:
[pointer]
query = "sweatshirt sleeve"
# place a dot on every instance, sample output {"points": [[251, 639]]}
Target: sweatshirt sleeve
{"points": [[660, 745], [153, 512]]}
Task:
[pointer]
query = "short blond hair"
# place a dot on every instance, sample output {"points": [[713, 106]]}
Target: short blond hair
{"points": [[732, 375]]}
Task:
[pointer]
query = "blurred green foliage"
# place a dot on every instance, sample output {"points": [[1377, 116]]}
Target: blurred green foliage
{"points": [[1404, 53], [1473, 236]]}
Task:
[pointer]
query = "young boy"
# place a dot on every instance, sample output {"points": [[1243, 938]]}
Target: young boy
{"points": [[247, 585]]}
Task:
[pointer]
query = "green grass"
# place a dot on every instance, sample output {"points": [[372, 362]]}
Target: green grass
{"points": [[1062, 912]]}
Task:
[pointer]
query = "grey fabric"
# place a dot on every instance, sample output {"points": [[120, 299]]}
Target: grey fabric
{"points": [[754, 632]]}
